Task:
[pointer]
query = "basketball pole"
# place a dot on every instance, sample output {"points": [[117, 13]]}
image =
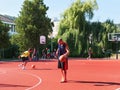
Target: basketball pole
{"points": [[116, 49], [116, 38], [51, 38]]}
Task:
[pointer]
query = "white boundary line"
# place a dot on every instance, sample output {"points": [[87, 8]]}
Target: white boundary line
{"points": [[40, 81]]}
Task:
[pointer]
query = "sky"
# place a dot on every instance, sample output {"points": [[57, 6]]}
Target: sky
{"points": [[108, 9]]}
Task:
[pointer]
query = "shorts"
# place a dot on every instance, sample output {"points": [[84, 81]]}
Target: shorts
{"points": [[63, 65], [24, 58]]}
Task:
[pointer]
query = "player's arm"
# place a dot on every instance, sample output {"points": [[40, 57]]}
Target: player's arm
{"points": [[57, 52], [20, 55], [67, 50]]}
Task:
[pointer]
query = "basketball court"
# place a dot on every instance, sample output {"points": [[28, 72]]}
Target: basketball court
{"points": [[83, 74]]}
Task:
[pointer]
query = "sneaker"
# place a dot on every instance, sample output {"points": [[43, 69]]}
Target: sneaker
{"points": [[20, 65], [63, 81], [23, 68]]}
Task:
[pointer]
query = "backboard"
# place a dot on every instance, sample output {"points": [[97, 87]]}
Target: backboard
{"points": [[113, 36], [42, 39]]}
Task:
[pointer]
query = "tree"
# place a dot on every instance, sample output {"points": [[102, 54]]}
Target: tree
{"points": [[73, 23], [109, 27], [4, 35], [75, 28], [99, 33], [31, 23]]}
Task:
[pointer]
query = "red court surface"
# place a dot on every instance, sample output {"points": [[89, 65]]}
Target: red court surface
{"points": [[83, 74]]}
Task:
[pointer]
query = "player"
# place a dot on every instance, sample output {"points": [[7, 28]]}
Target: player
{"points": [[25, 56], [89, 53], [63, 50]]}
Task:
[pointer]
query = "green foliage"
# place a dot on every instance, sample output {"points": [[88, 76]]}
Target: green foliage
{"points": [[80, 34], [72, 26], [32, 23], [6, 50], [4, 36]]}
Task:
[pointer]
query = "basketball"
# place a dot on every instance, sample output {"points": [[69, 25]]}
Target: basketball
{"points": [[62, 58], [32, 66]]}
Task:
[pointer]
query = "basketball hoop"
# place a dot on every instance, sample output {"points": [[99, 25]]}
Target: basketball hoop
{"points": [[114, 37]]}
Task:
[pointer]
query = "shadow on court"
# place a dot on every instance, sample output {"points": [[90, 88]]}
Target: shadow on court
{"points": [[12, 85], [96, 83]]}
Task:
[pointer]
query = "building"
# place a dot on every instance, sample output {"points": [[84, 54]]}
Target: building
{"points": [[9, 20], [56, 26]]}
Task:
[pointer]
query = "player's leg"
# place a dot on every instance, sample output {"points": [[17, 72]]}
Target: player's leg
{"points": [[22, 64], [62, 75], [25, 62], [65, 75], [65, 69]]}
